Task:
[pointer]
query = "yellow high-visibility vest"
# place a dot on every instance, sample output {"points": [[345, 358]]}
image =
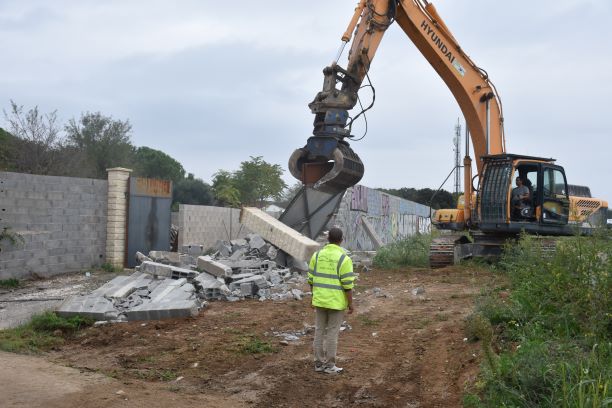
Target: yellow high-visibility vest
{"points": [[330, 274]]}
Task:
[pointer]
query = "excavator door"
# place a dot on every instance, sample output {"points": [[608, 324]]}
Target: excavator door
{"points": [[554, 196]]}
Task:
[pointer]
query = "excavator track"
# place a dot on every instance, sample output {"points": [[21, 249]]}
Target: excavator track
{"points": [[442, 252]]}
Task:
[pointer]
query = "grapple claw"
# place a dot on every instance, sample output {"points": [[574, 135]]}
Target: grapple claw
{"points": [[326, 164]]}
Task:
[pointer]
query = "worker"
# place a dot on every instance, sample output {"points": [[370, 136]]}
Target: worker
{"points": [[331, 279], [520, 197]]}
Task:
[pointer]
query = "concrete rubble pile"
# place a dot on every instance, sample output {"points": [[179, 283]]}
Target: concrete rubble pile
{"points": [[179, 284]]}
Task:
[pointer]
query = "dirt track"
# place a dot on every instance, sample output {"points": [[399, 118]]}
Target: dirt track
{"points": [[402, 351]]}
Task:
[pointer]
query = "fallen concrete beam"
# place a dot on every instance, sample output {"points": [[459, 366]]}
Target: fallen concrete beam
{"points": [[277, 233]]}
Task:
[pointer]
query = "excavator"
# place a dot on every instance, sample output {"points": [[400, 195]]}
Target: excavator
{"points": [[327, 166]]}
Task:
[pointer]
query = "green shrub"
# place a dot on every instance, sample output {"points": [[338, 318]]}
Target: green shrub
{"points": [[253, 345], [50, 322], [554, 329], [10, 283], [12, 237], [43, 332], [413, 251], [108, 267]]}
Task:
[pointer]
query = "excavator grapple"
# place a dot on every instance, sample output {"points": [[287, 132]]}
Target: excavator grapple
{"points": [[326, 164]]}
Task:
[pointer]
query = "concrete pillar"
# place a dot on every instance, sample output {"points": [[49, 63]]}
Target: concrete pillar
{"points": [[116, 224]]}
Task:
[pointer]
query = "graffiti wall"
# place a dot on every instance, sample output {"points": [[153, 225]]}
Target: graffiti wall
{"points": [[392, 218]]}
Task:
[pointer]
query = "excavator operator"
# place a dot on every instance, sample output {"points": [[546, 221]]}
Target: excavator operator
{"points": [[521, 199]]}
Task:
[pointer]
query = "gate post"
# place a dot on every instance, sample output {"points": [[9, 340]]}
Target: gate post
{"points": [[116, 222]]}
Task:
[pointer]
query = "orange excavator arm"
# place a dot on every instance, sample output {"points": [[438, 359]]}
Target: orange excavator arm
{"points": [[326, 162]]}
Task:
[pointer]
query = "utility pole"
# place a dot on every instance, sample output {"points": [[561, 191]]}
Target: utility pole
{"points": [[457, 150]]}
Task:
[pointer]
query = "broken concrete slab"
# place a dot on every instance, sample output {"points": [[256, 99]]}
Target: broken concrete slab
{"points": [[185, 259], [277, 233], [165, 257], [274, 277], [140, 257], [172, 289], [223, 248], [247, 289], [93, 306], [164, 310], [156, 269], [122, 286], [257, 280], [242, 263], [239, 253], [272, 252], [256, 241], [183, 273], [193, 249], [207, 264]]}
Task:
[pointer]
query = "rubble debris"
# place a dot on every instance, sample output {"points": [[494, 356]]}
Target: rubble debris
{"points": [[168, 285], [293, 335], [418, 291]]}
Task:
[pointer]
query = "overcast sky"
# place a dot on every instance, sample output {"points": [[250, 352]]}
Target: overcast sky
{"points": [[212, 83]]}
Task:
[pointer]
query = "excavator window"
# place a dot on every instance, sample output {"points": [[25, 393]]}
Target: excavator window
{"points": [[524, 209], [555, 203]]}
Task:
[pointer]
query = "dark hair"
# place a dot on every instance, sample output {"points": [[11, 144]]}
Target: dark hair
{"points": [[334, 235]]}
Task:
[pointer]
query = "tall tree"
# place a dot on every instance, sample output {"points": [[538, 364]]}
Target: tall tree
{"points": [[258, 181], [7, 150], [157, 164], [38, 143], [224, 187], [191, 190], [105, 141]]}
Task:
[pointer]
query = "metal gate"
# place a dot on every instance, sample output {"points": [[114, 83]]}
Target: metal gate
{"points": [[148, 217]]}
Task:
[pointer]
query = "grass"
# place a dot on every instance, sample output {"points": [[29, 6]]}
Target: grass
{"points": [[108, 267], [154, 374], [10, 283], [44, 332], [553, 329], [367, 321], [254, 345], [413, 251]]}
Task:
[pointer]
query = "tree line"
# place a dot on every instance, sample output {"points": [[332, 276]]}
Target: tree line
{"points": [[36, 143], [426, 196]]}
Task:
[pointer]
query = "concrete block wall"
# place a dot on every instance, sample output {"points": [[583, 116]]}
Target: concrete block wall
{"points": [[62, 221], [392, 218], [204, 225]]}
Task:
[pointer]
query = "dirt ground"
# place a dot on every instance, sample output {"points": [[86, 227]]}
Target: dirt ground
{"points": [[401, 350]]}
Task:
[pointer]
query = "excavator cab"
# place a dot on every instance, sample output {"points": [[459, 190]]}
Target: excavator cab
{"points": [[543, 205]]}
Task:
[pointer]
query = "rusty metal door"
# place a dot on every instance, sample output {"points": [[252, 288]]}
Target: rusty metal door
{"points": [[148, 217]]}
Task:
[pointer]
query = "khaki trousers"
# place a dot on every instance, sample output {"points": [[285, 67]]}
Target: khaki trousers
{"points": [[327, 327]]}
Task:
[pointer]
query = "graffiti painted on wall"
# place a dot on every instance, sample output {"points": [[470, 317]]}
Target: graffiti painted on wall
{"points": [[359, 198], [392, 218]]}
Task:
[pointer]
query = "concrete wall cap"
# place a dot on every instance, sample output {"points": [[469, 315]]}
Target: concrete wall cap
{"points": [[121, 169]]}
